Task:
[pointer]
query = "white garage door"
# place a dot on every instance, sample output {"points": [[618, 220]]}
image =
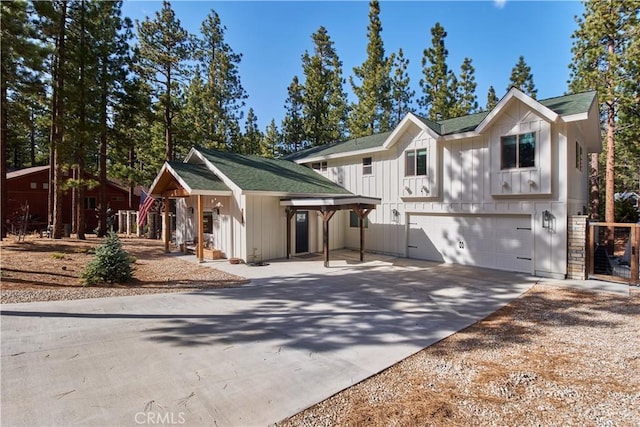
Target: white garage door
{"points": [[503, 242]]}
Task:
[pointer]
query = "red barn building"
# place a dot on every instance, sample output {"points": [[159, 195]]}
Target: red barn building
{"points": [[32, 185]]}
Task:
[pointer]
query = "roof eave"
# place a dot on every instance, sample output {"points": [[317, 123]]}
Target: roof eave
{"points": [[545, 112], [340, 155], [399, 130]]}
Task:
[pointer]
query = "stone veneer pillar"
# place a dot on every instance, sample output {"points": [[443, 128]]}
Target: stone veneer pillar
{"points": [[577, 247]]}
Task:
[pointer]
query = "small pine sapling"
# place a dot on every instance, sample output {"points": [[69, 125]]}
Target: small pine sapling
{"points": [[112, 264]]}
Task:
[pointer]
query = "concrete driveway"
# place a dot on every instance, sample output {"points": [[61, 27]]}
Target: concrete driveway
{"points": [[252, 355]]}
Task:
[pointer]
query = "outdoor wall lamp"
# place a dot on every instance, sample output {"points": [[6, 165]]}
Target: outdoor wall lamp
{"points": [[424, 189], [546, 219], [407, 189]]}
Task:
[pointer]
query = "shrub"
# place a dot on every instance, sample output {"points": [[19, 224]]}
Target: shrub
{"points": [[625, 211], [111, 264]]}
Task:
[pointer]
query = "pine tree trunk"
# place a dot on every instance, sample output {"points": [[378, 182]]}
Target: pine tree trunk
{"points": [[79, 154], [58, 134], [102, 214], [3, 160], [167, 120]]}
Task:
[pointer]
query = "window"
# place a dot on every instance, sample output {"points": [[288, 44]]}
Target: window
{"points": [[319, 166], [34, 185], [367, 168], [518, 151], [90, 203], [578, 156], [45, 185], [353, 220], [207, 222], [415, 162]]}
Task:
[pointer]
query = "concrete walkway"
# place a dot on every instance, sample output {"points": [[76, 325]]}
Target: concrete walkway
{"points": [[252, 355]]}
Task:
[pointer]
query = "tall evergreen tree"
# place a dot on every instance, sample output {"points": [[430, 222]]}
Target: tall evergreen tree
{"points": [[272, 146], [194, 120], [436, 85], [252, 138], [164, 49], [21, 58], [522, 78], [293, 135], [324, 99], [492, 99], [223, 95], [466, 99], [401, 92], [605, 58], [371, 114]]}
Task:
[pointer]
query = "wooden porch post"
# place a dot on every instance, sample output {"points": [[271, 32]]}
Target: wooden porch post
{"points": [[326, 216], [167, 225], [635, 246], [362, 215], [290, 213], [199, 247]]}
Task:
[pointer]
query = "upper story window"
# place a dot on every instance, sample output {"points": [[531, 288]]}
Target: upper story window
{"points": [[319, 166], [415, 162], [578, 156], [367, 166], [518, 151]]}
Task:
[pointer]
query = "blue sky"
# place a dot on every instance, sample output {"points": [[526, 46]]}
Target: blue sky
{"points": [[272, 36]]}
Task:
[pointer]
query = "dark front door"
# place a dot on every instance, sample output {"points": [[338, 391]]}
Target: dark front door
{"points": [[302, 232]]}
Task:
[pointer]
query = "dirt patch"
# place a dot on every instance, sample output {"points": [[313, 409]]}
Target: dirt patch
{"points": [[39, 264]]}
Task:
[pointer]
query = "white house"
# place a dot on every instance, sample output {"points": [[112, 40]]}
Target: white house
{"points": [[492, 189]]}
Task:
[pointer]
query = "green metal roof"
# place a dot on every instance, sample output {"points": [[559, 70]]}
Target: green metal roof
{"points": [[356, 144], [255, 173], [198, 177], [563, 105]]}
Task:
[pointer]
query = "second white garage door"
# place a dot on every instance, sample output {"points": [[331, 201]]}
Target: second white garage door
{"points": [[503, 242]]}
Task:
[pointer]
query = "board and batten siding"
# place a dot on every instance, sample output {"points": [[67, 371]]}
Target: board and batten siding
{"points": [[464, 177]]}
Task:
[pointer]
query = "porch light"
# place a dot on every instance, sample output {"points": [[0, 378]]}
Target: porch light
{"points": [[546, 219], [395, 214], [424, 189]]}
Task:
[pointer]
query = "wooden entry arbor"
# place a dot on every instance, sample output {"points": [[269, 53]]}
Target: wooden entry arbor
{"points": [[328, 206]]}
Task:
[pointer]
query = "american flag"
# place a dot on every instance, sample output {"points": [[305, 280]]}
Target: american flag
{"points": [[146, 204]]}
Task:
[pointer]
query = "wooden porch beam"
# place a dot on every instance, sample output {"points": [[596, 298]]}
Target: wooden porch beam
{"points": [[326, 216], [362, 215], [199, 247], [290, 214], [177, 192], [167, 225]]}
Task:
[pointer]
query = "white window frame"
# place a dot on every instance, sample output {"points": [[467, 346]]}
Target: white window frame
{"points": [[367, 168], [414, 169], [517, 160]]}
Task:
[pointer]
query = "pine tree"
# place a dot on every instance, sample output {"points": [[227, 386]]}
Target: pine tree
{"points": [[252, 136], [164, 49], [194, 120], [272, 146], [605, 58], [22, 59], [437, 82], [522, 78], [401, 92], [492, 99], [293, 135], [466, 99], [371, 114], [223, 94], [324, 100]]}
